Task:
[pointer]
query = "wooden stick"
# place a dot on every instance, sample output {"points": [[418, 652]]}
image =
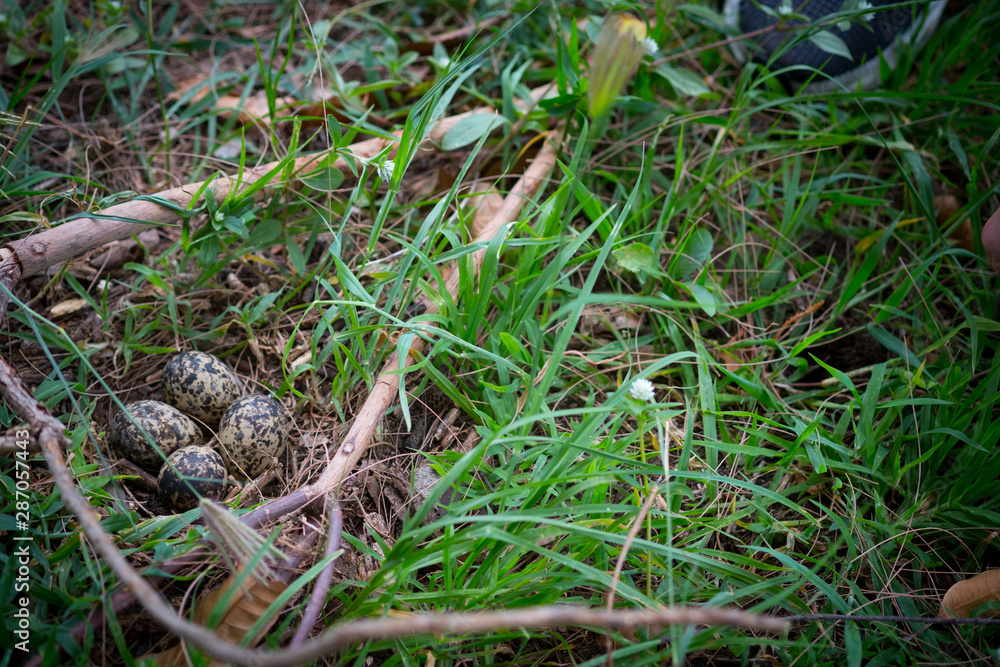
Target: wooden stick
{"points": [[317, 599], [36, 252], [10, 445], [463, 623], [386, 385], [620, 565]]}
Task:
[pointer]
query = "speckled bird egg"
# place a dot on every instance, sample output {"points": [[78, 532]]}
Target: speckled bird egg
{"points": [[200, 385], [168, 427], [189, 474], [252, 433]]}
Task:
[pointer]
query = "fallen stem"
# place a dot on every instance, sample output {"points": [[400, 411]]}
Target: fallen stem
{"points": [[868, 618], [463, 623], [620, 564], [322, 587], [11, 445], [36, 252]]}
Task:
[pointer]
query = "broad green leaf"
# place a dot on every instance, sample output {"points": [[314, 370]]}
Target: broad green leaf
{"points": [[324, 180], [470, 129], [637, 258], [683, 81], [703, 297], [561, 104], [234, 224], [693, 254], [266, 232], [827, 42], [295, 255]]}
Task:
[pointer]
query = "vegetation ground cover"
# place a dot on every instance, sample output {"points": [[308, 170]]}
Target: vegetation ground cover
{"points": [[799, 276]]}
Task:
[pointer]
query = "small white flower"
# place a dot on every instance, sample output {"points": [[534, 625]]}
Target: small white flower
{"points": [[385, 170], [649, 46], [863, 5], [443, 62], [785, 8], [219, 216], [642, 390]]}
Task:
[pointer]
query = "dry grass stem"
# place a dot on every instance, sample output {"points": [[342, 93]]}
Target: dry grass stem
{"points": [[620, 563]]}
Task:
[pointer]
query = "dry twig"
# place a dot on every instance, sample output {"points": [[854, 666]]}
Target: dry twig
{"points": [[620, 564], [10, 444], [322, 587], [463, 623], [37, 252]]}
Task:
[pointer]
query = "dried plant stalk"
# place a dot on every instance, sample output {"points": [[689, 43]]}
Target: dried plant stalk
{"points": [[36, 252]]}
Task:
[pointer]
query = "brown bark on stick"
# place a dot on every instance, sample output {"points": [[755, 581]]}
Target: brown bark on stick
{"points": [[620, 565], [50, 434], [451, 38], [36, 252], [318, 597], [462, 623]]}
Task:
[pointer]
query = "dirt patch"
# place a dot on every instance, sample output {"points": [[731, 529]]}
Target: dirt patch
{"points": [[851, 351]]}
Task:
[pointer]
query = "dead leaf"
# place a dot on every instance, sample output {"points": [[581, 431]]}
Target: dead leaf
{"points": [[965, 596], [947, 206], [487, 206], [256, 109], [246, 606], [68, 307], [429, 183], [602, 319]]}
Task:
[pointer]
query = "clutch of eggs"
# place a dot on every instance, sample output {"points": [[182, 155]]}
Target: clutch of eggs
{"points": [[251, 431]]}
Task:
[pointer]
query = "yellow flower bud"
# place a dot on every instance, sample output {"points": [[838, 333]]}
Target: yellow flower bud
{"points": [[619, 50]]}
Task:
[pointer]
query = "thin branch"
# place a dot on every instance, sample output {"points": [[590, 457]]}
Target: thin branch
{"points": [[687, 53], [781, 26], [620, 564], [453, 37], [36, 252], [10, 276], [322, 587], [143, 479], [464, 623], [10, 445], [863, 618]]}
